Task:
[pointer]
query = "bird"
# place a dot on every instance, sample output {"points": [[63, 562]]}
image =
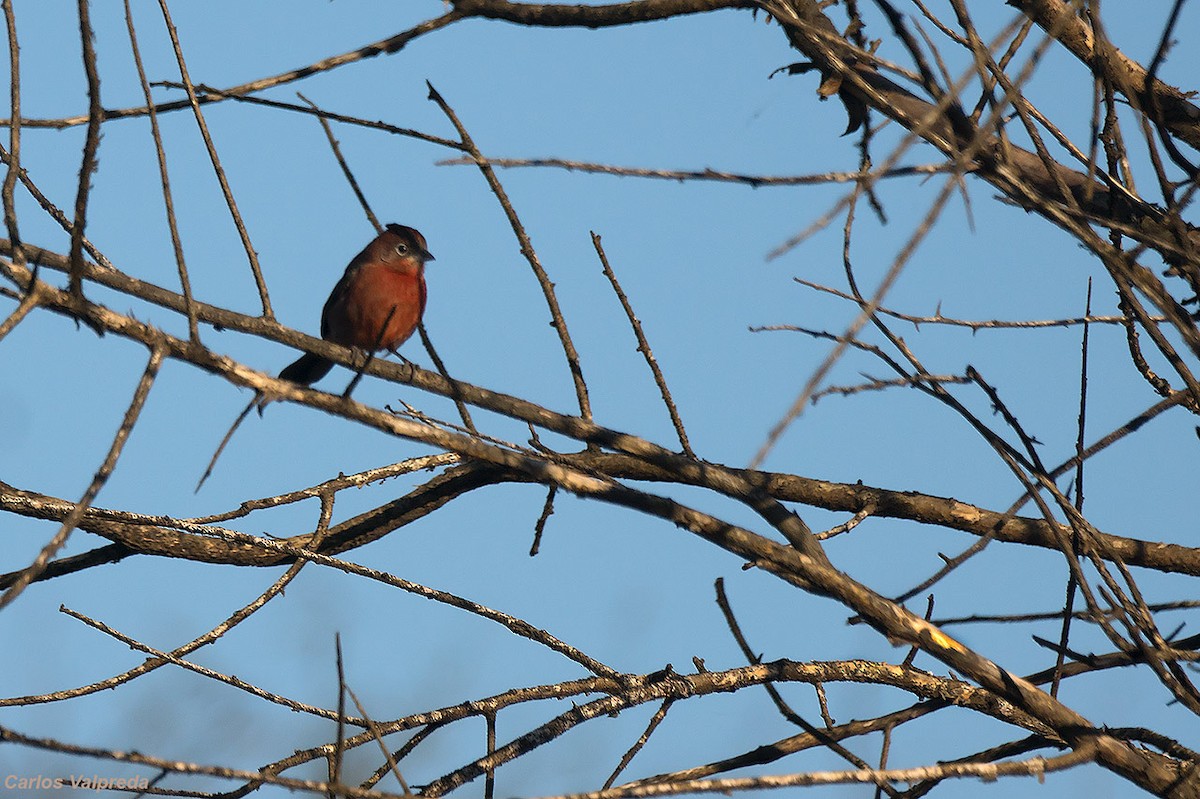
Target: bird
{"points": [[376, 305]]}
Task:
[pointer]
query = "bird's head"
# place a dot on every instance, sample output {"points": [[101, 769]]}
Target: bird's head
{"points": [[402, 242]]}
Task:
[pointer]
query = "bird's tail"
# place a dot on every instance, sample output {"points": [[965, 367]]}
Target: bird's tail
{"points": [[307, 369]]}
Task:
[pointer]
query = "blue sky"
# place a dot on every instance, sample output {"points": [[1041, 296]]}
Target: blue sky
{"points": [[683, 94]]}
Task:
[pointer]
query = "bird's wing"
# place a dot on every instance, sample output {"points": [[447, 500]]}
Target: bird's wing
{"points": [[335, 296]]}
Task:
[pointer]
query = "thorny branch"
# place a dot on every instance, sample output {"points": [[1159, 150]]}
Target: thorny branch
{"points": [[1033, 165]]}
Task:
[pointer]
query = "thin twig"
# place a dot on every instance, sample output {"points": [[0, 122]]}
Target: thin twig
{"points": [[876, 384], [1101, 444], [14, 137], [168, 201], [377, 734], [784, 709], [558, 321], [390, 45], [237, 422], [1052, 615], [346, 171], [1072, 586], [644, 347], [655, 720], [489, 778], [922, 128], [975, 325], [339, 748], [236, 618], [212, 674], [211, 94], [847, 525], [823, 704], [865, 315], [398, 755], [513, 624], [1029, 441], [332, 486], [912, 653], [28, 301], [680, 176], [540, 526], [55, 213], [885, 749], [90, 145], [779, 749], [464, 411], [30, 573], [218, 170]]}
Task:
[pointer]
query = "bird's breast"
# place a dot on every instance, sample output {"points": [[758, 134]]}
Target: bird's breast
{"points": [[379, 308]]}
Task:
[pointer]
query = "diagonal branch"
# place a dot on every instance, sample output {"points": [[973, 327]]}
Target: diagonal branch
{"points": [[79, 509], [1174, 108], [558, 321], [90, 146], [218, 170], [391, 44]]}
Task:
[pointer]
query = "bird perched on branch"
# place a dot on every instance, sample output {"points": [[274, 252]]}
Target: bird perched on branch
{"points": [[376, 305]]}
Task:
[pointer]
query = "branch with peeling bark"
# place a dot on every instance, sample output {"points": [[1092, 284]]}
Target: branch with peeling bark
{"points": [[641, 460], [622, 469], [803, 564]]}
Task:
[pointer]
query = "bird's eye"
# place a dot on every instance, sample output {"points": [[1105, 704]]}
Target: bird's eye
{"points": [[401, 249]]}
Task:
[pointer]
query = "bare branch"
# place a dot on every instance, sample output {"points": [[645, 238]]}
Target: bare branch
{"points": [[558, 321], [80, 508], [218, 170]]}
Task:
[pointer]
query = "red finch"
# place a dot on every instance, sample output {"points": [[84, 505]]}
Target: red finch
{"points": [[376, 305]]}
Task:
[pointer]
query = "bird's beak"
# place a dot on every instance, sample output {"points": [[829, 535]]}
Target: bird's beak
{"points": [[426, 255]]}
